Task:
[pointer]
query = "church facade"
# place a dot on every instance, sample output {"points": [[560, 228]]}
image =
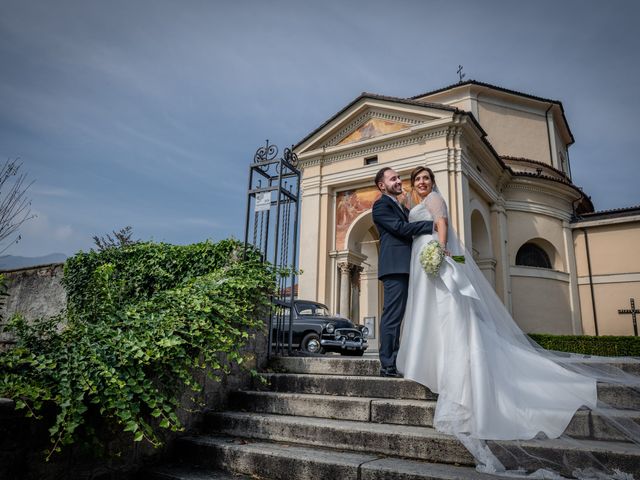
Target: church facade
{"points": [[501, 160]]}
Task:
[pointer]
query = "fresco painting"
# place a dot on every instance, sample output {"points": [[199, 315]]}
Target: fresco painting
{"points": [[373, 128], [351, 203]]}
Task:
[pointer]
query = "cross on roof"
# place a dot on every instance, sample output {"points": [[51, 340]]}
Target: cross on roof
{"points": [[633, 312], [460, 74]]}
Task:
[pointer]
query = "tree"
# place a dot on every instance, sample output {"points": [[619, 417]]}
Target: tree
{"points": [[121, 238], [15, 205]]}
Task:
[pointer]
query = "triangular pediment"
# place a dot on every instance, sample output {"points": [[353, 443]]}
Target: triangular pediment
{"points": [[368, 117], [373, 127]]}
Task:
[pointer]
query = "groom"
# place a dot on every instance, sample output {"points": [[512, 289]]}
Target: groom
{"points": [[394, 260]]}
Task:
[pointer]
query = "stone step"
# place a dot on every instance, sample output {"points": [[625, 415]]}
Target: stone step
{"points": [[326, 365], [360, 386], [281, 461], [183, 472], [345, 385], [334, 365], [418, 443], [585, 424], [615, 396]]}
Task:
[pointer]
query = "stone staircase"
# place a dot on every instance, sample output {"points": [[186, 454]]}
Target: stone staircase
{"points": [[334, 418]]}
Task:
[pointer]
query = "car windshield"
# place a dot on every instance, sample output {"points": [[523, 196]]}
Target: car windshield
{"points": [[312, 309]]}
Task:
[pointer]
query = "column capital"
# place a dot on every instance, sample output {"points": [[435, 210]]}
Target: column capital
{"points": [[348, 256], [344, 267], [499, 206]]}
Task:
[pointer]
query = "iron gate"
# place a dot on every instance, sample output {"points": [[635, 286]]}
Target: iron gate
{"points": [[272, 228]]}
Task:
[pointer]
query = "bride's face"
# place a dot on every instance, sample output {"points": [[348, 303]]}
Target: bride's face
{"points": [[423, 184]]}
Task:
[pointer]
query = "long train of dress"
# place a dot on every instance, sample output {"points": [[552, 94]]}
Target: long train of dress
{"points": [[493, 382]]}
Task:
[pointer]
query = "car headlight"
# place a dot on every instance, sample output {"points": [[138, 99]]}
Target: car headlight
{"points": [[365, 332], [330, 328]]}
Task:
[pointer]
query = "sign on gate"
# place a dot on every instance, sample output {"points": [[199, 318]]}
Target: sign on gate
{"points": [[263, 201]]}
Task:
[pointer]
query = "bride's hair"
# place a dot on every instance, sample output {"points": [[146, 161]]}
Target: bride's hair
{"points": [[415, 199]]}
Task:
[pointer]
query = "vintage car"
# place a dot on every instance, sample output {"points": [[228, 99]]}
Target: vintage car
{"points": [[316, 331]]}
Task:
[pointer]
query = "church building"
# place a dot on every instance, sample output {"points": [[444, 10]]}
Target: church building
{"points": [[501, 160]]}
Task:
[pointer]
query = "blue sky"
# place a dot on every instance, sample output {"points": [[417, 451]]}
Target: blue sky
{"points": [[147, 113]]}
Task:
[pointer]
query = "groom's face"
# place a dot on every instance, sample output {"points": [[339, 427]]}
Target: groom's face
{"points": [[391, 183]]}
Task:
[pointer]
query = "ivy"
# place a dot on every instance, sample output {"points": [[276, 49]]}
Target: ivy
{"points": [[142, 321]]}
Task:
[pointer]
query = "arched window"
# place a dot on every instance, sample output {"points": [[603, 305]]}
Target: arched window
{"points": [[531, 255]]}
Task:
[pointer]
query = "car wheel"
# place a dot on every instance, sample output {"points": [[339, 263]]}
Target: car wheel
{"points": [[311, 343], [353, 353]]}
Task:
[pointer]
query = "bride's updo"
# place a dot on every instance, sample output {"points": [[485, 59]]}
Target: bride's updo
{"points": [[414, 199]]}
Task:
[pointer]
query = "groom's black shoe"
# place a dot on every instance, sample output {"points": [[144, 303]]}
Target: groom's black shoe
{"points": [[389, 372]]}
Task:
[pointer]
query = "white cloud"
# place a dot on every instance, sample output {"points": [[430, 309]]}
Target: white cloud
{"points": [[42, 236], [50, 191]]}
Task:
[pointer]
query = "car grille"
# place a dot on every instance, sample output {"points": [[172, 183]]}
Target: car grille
{"points": [[348, 333]]}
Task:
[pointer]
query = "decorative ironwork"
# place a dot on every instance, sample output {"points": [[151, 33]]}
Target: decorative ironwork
{"points": [[290, 156], [633, 312], [274, 227], [266, 153]]}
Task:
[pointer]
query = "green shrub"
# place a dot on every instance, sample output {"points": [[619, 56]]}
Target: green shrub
{"points": [[142, 320], [141, 269], [608, 346]]}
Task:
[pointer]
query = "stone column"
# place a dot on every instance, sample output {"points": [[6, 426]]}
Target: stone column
{"points": [[500, 230], [574, 295], [345, 288], [310, 204], [354, 309], [488, 268]]}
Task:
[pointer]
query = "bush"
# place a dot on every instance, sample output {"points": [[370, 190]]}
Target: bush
{"points": [[141, 321], [608, 346]]}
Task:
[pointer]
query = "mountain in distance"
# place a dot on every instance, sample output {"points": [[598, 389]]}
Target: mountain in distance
{"points": [[13, 262]]}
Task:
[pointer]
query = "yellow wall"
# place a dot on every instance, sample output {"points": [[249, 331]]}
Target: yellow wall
{"points": [[514, 132], [608, 299], [615, 267], [541, 305], [614, 248], [525, 226]]}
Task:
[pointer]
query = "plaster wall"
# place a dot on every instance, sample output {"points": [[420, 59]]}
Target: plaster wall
{"points": [[541, 301], [526, 226], [561, 151], [614, 248], [541, 305], [609, 297], [615, 273], [514, 132]]}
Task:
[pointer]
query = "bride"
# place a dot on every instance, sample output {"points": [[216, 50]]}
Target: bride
{"points": [[493, 382]]}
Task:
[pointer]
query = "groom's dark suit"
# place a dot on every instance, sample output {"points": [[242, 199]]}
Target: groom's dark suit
{"points": [[394, 262]]}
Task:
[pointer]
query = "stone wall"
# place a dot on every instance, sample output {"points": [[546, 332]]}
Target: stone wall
{"points": [[23, 440], [35, 292]]}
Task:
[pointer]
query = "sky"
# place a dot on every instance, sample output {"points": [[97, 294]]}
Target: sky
{"points": [[148, 113]]}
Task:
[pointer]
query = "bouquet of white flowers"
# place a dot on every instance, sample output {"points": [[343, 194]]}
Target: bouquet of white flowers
{"points": [[432, 256]]}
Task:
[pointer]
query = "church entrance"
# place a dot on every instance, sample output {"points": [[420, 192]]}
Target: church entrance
{"points": [[360, 296]]}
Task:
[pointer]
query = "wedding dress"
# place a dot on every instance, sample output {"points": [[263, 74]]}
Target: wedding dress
{"points": [[493, 382]]}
